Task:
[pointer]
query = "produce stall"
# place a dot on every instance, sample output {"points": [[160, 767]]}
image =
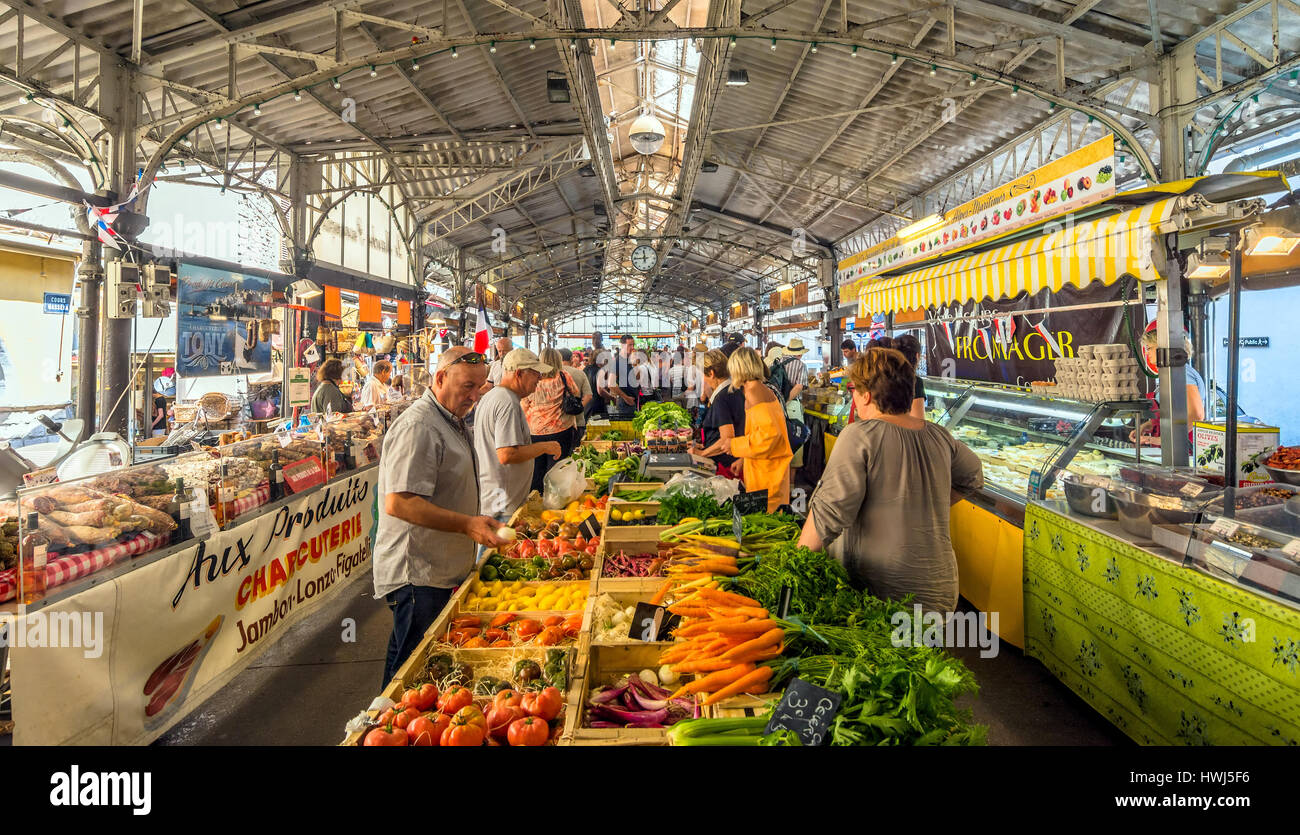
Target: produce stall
{"points": [[189, 567], [686, 627]]}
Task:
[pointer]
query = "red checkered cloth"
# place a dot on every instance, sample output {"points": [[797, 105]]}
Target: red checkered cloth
{"points": [[260, 496], [60, 570]]}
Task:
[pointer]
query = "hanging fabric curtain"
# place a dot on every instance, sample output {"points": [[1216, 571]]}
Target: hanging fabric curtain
{"points": [[1078, 255]]}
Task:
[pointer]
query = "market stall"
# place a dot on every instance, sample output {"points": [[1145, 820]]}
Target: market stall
{"points": [[189, 567], [1059, 304]]}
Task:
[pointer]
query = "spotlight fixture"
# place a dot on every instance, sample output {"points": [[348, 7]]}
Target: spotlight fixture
{"points": [[65, 127], [814, 46], [774, 44], [373, 72], [297, 95], [532, 43], [454, 53], [415, 64], [973, 77], [573, 43], [893, 59], [335, 83], [1015, 90], [492, 47], [933, 69], [854, 53], [613, 44], [257, 109], [737, 78], [557, 88]]}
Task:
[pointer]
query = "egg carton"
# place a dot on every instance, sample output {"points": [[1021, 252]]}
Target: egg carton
{"points": [[1122, 364], [1113, 351]]}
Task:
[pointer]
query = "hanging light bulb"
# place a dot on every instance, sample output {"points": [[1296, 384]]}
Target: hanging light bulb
{"points": [[933, 69], [335, 82], [1015, 90], [774, 44], [373, 72], [454, 53], [814, 46], [257, 109], [65, 127], [492, 47], [297, 95], [854, 53], [573, 43], [893, 59], [532, 43], [415, 64], [613, 44], [971, 83]]}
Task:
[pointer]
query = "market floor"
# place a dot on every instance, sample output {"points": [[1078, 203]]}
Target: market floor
{"points": [[307, 686]]}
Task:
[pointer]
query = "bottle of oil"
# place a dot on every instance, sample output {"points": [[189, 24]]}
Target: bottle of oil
{"points": [[226, 490], [34, 548]]}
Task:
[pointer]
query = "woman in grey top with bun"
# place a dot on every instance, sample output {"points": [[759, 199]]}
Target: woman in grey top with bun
{"points": [[882, 505]]}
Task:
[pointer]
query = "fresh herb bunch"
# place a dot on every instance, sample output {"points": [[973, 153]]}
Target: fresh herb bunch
{"points": [[819, 586], [675, 507]]}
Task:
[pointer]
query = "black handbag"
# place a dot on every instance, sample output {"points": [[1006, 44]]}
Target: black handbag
{"points": [[570, 404]]}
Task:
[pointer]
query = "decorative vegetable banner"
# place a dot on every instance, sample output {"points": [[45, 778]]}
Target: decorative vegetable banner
{"points": [[217, 322], [1078, 179], [169, 635], [1003, 346]]}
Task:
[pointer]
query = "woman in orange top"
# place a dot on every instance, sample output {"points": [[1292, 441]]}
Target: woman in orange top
{"points": [[764, 449]]}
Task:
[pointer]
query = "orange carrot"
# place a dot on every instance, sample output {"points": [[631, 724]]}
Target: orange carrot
{"points": [[762, 654], [705, 665], [662, 593], [727, 598], [737, 686], [743, 611], [689, 611], [772, 637], [706, 626], [714, 680], [743, 626]]}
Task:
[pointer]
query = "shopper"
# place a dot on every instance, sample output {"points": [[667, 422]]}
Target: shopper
{"points": [[429, 516], [496, 369], [725, 414], [544, 410], [796, 372], [883, 502], [849, 350], [329, 397], [764, 448], [573, 364], [624, 387], [503, 444], [375, 391], [598, 408], [910, 347]]}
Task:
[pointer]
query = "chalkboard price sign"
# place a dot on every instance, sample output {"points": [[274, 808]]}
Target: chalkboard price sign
{"points": [[745, 503], [805, 709], [590, 527], [652, 623], [614, 479]]}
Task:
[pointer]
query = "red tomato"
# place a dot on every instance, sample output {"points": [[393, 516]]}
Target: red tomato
{"points": [[590, 550], [508, 697], [527, 628], [399, 715], [421, 698], [476, 643], [454, 698], [500, 717], [427, 730], [546, 548], [544, 704], [461, 733], [564, 546], [528, 731], [580, 541], [550, 636], [386, 736], [494, 634], [503, 642], [554, 620]]}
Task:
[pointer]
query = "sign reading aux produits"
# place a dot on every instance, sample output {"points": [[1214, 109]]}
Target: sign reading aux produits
{"points": [[1078, 179]]}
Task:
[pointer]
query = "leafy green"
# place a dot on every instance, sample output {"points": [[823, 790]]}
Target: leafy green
{"points": [[675, 507], [661, 416]]}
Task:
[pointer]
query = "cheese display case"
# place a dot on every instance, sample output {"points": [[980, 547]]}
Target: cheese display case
{"points": [[1026, 441], [941, 394]]}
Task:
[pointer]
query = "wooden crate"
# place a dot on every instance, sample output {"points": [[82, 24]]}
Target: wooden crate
{"points": [[618, 533], [743, 706], [606, 663], [632, 486], [645, 545]]}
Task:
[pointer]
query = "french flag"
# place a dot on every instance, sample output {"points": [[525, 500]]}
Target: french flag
{"points": [[482, 330]]}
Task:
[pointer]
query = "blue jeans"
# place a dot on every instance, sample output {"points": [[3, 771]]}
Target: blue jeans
{"points": [[414, 610]]}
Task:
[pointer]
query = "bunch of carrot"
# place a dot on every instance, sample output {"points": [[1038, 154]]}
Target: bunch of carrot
{"points": [[724, 637], [696, 561]]}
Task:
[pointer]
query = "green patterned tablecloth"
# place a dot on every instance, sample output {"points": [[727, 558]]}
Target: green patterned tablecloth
{"points": [[1168, 654]]}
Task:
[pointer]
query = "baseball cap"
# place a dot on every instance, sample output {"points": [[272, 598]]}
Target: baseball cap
{"points": [[522, 359]]}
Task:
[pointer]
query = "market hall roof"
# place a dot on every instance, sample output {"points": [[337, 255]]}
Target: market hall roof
{"points": [[822, 141]]}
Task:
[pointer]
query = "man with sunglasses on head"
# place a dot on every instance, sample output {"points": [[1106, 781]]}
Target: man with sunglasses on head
{"points": [[429, 518]]}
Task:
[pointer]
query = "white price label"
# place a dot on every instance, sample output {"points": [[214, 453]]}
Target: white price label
{"points": [[284, 437], [1191, 488], [202, 523], [1225, 527], [1292, 548]]}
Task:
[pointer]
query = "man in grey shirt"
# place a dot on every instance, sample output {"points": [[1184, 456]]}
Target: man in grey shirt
{"points": [[502, 441], [495, 370], [429, 521]]}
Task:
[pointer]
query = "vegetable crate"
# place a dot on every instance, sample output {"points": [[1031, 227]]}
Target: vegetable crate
{"points": [[598, 446], [622, 599], [647, 585], [605, 666], [624, 487], [618, 532], [743, 706]]}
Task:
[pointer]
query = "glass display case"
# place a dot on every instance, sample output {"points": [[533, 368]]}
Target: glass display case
{"points": [[1026, 441], [941, 394]]}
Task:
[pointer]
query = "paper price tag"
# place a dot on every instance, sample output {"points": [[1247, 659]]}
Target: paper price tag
{"points": [[284, 437], [1292, 548], [202, 522], [1225, 527], [1192, 489]]}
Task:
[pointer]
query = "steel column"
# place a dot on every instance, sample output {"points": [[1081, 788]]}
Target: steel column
{"points": [[117, 96]]}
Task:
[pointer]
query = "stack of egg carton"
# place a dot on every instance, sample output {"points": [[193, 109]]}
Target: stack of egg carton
{"points": [[1100, 372]]}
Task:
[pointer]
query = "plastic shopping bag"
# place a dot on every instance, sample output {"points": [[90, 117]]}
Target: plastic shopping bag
{"points": [[563, 483]]}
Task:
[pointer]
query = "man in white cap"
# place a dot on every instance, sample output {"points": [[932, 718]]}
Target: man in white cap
{"points": [[502, 441]]}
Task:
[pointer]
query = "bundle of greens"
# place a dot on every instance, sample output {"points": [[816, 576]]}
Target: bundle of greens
{"points": [[675, 507], [661, 416], [590, 459], [819, 586]]}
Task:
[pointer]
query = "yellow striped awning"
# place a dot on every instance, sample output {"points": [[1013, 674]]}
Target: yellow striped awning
{"points": [[1075, 254]]}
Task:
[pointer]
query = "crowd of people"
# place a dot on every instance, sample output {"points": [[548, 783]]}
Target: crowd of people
{"points": [[881, 507]]}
